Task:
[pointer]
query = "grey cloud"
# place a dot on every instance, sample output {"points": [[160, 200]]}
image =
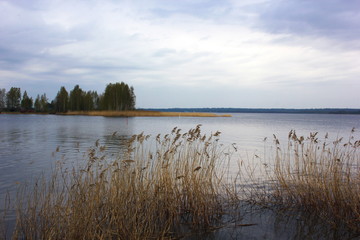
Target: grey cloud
{"points": [[28, 41], [25, 28], [28, 5], [334, 19], [329, 18], [40, 36], [12, 58]]}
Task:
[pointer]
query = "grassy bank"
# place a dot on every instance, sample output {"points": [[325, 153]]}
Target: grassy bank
{"points": [[182, 183], [144, 114]]}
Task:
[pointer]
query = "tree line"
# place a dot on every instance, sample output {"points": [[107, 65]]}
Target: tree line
{"points": [[116, 97]]}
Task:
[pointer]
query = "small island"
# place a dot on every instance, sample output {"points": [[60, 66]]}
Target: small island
{"points": [[118, 100]]}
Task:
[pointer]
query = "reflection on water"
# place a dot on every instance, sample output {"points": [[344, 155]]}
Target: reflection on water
{"points": [[262, 223], [28, 143]]}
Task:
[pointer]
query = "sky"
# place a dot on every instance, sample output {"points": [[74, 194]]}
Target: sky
{"points": [[187, 53]]}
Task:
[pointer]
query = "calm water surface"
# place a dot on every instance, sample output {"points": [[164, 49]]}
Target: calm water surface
{"points": [[27, 142]]}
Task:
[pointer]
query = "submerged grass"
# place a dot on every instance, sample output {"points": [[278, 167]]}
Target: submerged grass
{"points": [[182, 183]]}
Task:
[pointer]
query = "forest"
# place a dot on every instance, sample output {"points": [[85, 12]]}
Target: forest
{"points": [[116, 97]]}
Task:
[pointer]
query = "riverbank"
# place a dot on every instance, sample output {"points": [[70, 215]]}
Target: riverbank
{"points": [[143, 114]]}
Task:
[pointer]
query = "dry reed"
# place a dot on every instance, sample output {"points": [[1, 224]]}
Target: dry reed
{"points": [[319, 178], [172, 191], [181, 183]]}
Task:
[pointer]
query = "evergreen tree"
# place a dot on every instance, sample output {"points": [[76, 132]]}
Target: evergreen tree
{"points": [[62, 100], [26, 102], [118, 97], [13, 98], [37, 104], [101, 102], [88, 101], [2, 99], [44, 104], [76, 99], [132, 99]]}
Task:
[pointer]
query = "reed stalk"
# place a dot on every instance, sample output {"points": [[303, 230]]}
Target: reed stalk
{"points": [[320, 178], [172, 186], [165, 193]]}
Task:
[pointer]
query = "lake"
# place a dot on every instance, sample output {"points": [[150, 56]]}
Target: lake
{"points": [[28, 142]]}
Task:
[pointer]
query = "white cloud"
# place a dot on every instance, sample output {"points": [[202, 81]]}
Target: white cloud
{"points": [[173, 43]]}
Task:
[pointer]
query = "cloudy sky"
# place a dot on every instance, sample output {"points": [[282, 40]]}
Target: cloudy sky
{"points": [[187, 53]]}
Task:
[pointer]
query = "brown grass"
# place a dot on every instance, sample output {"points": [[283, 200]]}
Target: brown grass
{"points": [[181, 183], [143, 114], [319, 178], [172, 191]]}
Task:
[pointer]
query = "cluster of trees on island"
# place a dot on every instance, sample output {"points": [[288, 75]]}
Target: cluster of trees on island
{"points": [[116, 97]]}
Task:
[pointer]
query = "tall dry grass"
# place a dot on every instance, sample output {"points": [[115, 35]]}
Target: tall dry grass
{"points": [[319, 177], [183, 183], [175, 190]]}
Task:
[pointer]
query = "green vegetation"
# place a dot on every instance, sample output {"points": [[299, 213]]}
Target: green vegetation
{"points": [[62, 100], [117, 97], [13, 98], [41, 103], [2, 98], [26, 102], [185, 183]]}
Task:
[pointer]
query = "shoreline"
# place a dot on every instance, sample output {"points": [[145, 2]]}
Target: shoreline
{"points": [[142, 114], [129, 114]]}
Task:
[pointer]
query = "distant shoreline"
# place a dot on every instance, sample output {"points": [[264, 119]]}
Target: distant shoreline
{"points": [[140, 113], [143, 113], [199, 112], [262, 110]]}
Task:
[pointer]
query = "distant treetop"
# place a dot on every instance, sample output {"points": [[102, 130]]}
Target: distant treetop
{"points": [[117, 97]]}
